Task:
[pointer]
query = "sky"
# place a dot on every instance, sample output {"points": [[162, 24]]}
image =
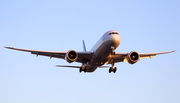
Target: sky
{"points": [[145, 26]]}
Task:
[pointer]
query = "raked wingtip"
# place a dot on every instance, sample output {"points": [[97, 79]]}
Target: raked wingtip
{"points": [[8, 47]]}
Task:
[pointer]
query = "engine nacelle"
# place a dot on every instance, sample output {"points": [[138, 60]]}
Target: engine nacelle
{"points": [[71, 56], [132, 57]]}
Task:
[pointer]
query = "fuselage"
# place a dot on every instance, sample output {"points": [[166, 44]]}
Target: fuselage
{"points": [[103, 49]]}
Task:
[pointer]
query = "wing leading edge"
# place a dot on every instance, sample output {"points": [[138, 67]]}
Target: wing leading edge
{"points": [[87, 56], [43, 53], [55, 54], [121, 57]]}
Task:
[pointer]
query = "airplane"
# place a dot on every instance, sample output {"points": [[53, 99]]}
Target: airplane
{"points": [[102, 53]]}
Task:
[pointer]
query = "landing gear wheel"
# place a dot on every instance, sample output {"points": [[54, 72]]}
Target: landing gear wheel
{"points": [[115, 70], [110, 69], [85, 69], [80, 70]]}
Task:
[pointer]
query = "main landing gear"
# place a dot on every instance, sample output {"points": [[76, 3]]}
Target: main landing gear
{"points": [[83, 69], [111, 69]]}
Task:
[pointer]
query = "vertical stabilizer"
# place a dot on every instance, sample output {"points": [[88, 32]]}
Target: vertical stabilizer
{"points": [[84, 47]]}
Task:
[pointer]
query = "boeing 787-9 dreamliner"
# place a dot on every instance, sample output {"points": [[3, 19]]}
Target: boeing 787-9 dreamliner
{"points": [[103, 52]]}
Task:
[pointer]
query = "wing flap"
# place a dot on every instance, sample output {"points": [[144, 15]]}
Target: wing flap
{"points": [[55, 55]]}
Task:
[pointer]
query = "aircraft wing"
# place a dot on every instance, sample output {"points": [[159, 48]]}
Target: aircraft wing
{"points": [[121, 57], [56, 54]]}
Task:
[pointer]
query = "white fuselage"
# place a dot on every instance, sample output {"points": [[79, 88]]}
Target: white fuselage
{"points": [[103, 49]]}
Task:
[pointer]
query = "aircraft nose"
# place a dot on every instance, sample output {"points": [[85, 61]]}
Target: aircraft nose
{"points": [[116, 42]]}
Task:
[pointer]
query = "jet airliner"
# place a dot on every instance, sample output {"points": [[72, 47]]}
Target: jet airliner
{"points": [[102, 53]]}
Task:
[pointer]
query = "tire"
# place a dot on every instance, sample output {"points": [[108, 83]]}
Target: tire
{"points": [[115, 70], [80, 70], [110, 69], [85, 70]]}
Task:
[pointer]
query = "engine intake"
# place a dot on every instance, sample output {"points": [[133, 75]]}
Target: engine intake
{"points": [[71, 56], [132, 57]]}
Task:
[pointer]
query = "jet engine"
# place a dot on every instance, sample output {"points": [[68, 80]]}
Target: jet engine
{"points": [[132, 57], [71, 56]]}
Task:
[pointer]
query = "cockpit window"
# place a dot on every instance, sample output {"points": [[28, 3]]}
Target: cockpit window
{"points": [[113, 33]]}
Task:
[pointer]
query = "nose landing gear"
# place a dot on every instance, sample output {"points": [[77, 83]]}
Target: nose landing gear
{"points": [[111, 69]]}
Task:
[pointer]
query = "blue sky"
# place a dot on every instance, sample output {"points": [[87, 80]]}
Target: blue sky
{"points": [[144, 26]]}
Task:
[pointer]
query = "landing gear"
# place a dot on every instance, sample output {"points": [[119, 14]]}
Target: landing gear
{"points": [[111, 69], [115, 70], [83, 69], [112, 51], [80, 69]]}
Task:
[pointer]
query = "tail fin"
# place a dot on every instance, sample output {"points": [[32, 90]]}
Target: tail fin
{"points": [[84, 47]]}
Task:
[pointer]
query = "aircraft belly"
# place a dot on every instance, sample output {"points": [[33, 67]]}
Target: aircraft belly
{"points": [[90, 68], [104, 49], [100, 56]]}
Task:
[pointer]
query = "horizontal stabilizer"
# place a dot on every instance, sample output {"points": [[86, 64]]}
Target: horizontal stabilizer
{"points": [[68, 66], [78, 66], [104, 67]]}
